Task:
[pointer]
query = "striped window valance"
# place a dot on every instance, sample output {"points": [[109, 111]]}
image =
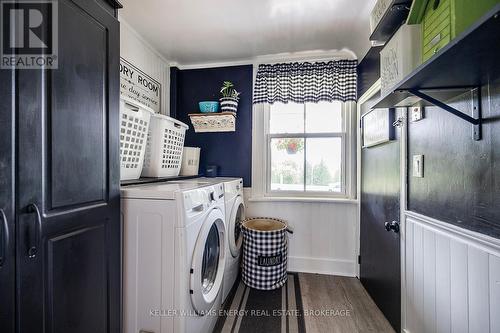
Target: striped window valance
{"points": [[306, 82]]}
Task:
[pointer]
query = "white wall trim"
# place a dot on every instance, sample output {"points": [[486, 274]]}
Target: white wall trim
{"points": [[323, 240], [483, 242], [403, 157], [332, 200], [276, 58], [136, 49], [375, 88], [143, 40], [322, 266], [452, 278]]}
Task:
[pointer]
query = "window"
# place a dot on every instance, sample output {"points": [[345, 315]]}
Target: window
{"points": [[306, 149]]}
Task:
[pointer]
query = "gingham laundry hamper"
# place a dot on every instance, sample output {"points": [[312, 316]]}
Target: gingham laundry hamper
{"points": [[265, 252]]}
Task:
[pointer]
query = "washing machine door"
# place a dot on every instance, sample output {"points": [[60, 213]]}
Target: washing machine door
{"points": [[208, 263], [234, 230]]}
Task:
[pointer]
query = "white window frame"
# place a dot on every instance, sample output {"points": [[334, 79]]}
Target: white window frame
{"points": [[261, 157]]}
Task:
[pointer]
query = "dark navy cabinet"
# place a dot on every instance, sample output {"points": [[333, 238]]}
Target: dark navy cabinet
{"points": [[60, 231]]}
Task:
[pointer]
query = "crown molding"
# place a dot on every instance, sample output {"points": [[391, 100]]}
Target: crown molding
{"points": [[276, 58]]}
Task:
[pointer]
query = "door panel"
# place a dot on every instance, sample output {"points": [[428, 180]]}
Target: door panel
{"points": [[80, 255], [380, 203], [7, 217], [76, 143], [68, 168]]}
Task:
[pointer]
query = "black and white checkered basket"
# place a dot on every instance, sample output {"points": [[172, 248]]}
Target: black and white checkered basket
{"points": [[265, 252]]}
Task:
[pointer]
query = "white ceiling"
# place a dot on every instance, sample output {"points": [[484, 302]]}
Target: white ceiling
{"points": [[192, 32]]}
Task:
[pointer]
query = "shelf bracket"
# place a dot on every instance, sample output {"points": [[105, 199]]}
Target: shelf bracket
{"points": [[476, 122]]}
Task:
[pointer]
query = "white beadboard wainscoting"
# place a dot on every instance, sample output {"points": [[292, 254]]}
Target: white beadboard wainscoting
{"points": [[452, 278], [136, 50], [324, 238]]}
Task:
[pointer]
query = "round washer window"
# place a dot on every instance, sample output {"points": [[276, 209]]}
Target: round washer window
{"points": [[210, 259]]}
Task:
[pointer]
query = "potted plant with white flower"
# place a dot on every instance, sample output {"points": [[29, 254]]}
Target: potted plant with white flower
{"points": [[230, 97]]}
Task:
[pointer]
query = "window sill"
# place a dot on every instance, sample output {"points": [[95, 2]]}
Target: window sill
{"points": [[302, 199]]}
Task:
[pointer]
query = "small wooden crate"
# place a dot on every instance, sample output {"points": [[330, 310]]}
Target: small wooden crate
{"points": [[213, 122]]}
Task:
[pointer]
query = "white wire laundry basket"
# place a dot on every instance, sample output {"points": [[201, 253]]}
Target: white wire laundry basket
{"points": [[163, 155], [134, 124]]}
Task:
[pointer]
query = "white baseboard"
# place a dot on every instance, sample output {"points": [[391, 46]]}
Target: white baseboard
{"points": [[322, 266]]}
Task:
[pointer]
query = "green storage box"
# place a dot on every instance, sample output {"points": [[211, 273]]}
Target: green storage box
{"points": [[443, 20]]}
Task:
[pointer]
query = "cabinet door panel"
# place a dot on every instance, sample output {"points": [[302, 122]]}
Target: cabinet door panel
{"points": [[77, 112], [69, 169], [7, 218], [76, 264]]}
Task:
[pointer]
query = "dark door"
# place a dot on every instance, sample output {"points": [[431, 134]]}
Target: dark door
{"points": [[7, 218], [379, 248], [68, 213]]}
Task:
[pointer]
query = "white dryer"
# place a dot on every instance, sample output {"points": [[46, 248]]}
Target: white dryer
{"points": [[174, 257], [235, 213]]}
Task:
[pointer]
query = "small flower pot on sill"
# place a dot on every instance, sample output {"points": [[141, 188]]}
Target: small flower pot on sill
{"points": [[290, 145], [292, 148], [229, 104]]}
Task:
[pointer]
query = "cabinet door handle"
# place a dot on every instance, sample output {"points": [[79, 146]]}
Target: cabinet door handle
{"points": [[394, 226], [33, 247], [5, 238]]}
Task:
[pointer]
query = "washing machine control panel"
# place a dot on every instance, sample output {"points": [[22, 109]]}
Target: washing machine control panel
{"points": [[196, 200], [218, 193], [233, 188], [202, 198]]}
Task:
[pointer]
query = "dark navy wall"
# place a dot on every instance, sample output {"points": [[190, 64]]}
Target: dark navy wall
{"points": [[461, 183], [230, 151]]}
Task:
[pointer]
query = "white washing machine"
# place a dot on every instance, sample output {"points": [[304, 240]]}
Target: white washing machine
{"points": [[174, 257], [235, 213]]}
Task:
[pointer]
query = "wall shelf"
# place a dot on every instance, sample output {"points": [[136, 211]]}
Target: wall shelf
{"points": [[149, 180], [467, 62], [393, 18], [213, 122]]}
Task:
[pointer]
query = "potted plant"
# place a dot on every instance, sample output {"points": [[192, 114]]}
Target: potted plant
{"points": [[230, 97], [292, 145]]}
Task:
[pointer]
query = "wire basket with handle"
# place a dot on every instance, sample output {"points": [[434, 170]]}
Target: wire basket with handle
{"points": [[164, 147], [134, 124]]}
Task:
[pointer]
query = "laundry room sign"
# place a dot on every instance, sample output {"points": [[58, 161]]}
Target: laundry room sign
{"points": [[138, 86], [377, 127]]}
